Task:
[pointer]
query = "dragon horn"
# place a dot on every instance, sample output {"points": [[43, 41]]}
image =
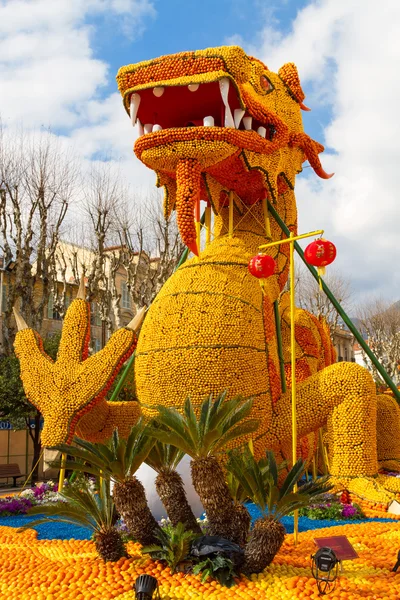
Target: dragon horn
{"points": [[304, 107], [82, 289], [137, 320], [323, 174], [19, 320]]}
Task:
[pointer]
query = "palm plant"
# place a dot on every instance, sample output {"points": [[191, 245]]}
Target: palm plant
{"points": [[173, 546], [119, 460], [203, 438], [259, 482], [85, 507], [164, 459]]}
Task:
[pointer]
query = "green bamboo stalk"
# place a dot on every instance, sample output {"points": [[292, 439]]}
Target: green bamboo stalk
{"points": [[339, 309], [280, 347], [124, 375], [130, 362]]}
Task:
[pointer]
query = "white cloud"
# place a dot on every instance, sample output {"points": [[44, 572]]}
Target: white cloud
{"points": [[348, 54], [49, 75], [48, 71]]}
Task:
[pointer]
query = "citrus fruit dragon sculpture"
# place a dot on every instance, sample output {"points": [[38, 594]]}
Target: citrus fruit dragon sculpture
{"points": [[215, 125]]}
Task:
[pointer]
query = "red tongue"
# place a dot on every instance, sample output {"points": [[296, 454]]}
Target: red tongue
{"points": [[188, 177]]}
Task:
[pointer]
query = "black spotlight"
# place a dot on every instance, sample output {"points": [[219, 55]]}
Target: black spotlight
{"points": [[145, 586], [397, 565], [325, 568]]}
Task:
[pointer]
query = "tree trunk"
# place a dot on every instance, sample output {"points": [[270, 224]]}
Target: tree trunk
{"points": [[265, 541], [240, 525], [130, 501], [109, 545], [170, 488], [209, 482], [34, 434]]}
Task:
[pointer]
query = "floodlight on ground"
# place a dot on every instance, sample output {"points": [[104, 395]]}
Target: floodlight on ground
{"points": [[325, 568], [145, 586]]}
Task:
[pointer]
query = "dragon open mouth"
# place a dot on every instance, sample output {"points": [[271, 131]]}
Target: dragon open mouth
{"points": [[214, 122], [214, 104]]}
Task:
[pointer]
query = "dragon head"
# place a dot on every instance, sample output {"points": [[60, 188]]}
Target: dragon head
{"points": [[214, 121]]}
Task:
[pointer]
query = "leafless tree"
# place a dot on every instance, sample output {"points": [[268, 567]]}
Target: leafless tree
{"points": [[311, 298], [125, 237], [380, 323], [37, 182], [151, 247]]}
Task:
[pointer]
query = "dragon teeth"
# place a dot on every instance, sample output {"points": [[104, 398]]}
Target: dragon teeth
{"points": [[157, 128], [193, 87], [148, 128], [262, 131], [208, 121], [158, 91], [134, 106], [238, 114], [247, 122], [140, 128], [224, 89]]}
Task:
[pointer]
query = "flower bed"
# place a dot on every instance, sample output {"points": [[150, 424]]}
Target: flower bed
{"points": [[335, 507], [70, 570], [19, 504]]}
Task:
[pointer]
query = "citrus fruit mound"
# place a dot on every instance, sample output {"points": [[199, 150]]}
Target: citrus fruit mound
{"points": [[55, 569]]}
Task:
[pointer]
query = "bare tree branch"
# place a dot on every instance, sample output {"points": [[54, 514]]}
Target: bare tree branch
{"points": [[380, 324], [37, 180], [311, 298]]}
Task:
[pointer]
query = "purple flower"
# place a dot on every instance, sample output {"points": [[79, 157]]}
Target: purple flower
{"points": [[348, 511], [15, 506]]}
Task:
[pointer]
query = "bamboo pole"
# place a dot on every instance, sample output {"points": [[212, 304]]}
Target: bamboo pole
{"points": [[293, 378], [266, 219], [339, 309], [34, 467], [291, 241], [280, 346], [61, 476], [198, 225]]}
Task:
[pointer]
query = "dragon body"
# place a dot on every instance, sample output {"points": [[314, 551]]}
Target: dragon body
{"points": [[219, 126]]}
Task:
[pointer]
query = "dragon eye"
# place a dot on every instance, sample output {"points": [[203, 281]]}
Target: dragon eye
{"points": [[265, 83]]}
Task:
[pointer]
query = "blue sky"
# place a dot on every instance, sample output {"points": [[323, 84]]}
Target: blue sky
{"points": [[178, 25], [59, 58]]}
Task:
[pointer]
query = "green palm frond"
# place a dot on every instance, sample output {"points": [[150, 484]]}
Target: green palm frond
{"points": [[236, 490], [218, 423], [81, 506], [249, 426], [116, 459], [259, 482], [164, 457], [292, 478], [174, 545]]}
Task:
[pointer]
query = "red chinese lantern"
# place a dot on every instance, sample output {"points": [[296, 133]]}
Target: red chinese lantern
{"points": [[320, 253], [262, 266]]}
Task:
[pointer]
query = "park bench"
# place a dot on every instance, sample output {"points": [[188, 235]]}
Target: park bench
{"points": [[11, 470]]}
